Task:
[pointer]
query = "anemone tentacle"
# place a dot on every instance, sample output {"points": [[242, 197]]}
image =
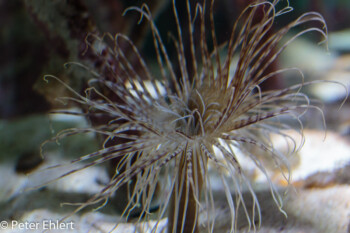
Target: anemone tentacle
{"points": [[182, 125]]}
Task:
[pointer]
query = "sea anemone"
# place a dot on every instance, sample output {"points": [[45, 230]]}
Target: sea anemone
{"points": [[195, 114]]}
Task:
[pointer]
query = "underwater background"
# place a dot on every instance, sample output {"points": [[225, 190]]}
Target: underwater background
{"points": [[37, 37]]}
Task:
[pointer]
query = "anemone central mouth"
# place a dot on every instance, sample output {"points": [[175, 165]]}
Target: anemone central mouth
{"points": [[192, 126]]}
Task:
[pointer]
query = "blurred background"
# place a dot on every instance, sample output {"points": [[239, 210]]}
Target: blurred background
{"points": [[37, 37]]}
